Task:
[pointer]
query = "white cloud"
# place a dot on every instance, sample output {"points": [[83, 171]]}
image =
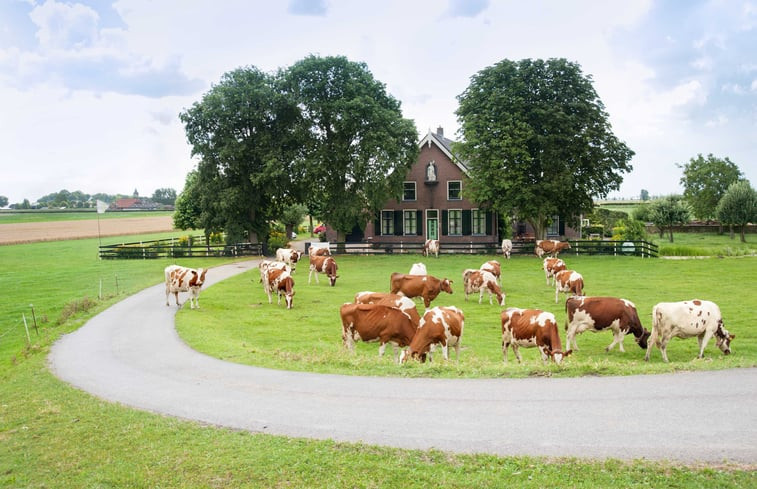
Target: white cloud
{"points": [[64, 26]]}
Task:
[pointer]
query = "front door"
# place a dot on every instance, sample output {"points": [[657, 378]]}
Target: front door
{"points": [[432, 224]]}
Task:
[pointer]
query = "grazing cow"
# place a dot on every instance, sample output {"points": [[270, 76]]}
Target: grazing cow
{"points": [[551, 247], [288, 256], [551, 266], [570, 282], [597, 313], [404, 304], [431, 246], [182, 279], [376, 322], [529, 328], [323, 264], [493, 267], [507, 248], [480, 281], [418, 269], [426, 286], [264, 265], [684, 320], [439, 326], [282, 282]]}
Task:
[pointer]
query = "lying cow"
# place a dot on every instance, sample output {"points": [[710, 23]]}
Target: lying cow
{"points": [[282, 283], [529, 328], [550, 247], [598, 313], [376, 322], [431, 247], [182, 279], [493, 267], [507, 248], [551, 266], [439, 326], [323, 264], [684, 320], [418, 269], [426, 286], [404, 304], [480, 281], [568, 281], [288, 256]]}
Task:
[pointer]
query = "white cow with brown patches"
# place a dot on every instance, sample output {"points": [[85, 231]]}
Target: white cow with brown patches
{"points": [[531, 327], [182, 279], [507, 248], [493, 267], [551, 266], [480, 281], [686, 319], [439, 326], [568, 281]]}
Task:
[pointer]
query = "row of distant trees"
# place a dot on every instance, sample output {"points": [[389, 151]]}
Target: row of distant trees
{"points": [[80, 200]]}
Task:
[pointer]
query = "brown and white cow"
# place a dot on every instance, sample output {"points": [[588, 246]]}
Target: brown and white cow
{"points": [[551, 266], [288, 256], [182, 279], [376, 322], [507, 248], [426, 286], [550, 247], [598, 313], [418, 269], [529, 328], [568, 281], [686, 319], [439, 326], [323, 264], [480, 281], [264, 265], [493, 267], [316, 250], [404, 304], [431, 247], [282, 283]]}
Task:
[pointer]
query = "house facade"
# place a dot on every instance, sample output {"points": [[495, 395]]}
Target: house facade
{"points": [[432, 205]]}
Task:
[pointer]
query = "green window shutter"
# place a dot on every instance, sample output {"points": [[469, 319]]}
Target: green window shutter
{"points": [[377, 226], [399, 225], [445, 226], [489, 219], [419, 222], [467, 222]]}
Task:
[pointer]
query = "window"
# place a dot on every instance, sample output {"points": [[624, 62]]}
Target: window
{"points": [[478, 221], [454, 190], [410, 220], [387, 223], [455, 224], [408, 191], [554, 228]]}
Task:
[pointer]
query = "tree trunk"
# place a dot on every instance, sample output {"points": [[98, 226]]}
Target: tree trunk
{"points": [[540, 228], [288, 229], [310, 221], [730, 231], [661, 231], [670, 231], [743, 237], [341, 236], [720, 229]]}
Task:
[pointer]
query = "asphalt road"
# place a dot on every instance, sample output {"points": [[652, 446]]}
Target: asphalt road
{"points": [[131, 354]]}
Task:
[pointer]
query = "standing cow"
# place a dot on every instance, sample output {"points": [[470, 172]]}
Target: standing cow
{"points": [[404, 304], [550, 247], [376, 322], [531, 327], [439, 326], [598, 313], [323, 264], [288, 256], [281, 282], [480, 281], [551, 266], [431, 247], [182, 279], [493, 267], [684, 320], [568, 281], [507, 248], [426, 286]]}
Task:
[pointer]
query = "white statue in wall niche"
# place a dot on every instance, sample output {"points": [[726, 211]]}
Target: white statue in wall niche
{"points": [[431, 171]]}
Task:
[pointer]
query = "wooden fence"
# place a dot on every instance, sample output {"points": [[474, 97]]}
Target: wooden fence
{"points": [[177, 248]]}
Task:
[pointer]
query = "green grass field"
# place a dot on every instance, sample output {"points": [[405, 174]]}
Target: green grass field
{"points": [[52, 435]]}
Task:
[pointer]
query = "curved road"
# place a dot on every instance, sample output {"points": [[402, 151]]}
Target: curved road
{"points": [[131, 354]]}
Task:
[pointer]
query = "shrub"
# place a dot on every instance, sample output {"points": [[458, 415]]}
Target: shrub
{"points": [[277, 239]]}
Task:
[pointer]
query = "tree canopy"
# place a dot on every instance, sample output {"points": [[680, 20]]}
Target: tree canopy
{"points": [[537, 141], [669, 212], [738, 206], [705, 181]]}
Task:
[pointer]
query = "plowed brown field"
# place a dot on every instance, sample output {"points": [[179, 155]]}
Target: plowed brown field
{"points": [[30, 232]]}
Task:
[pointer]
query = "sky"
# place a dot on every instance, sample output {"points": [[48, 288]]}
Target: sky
{"points": [[91, 90]]}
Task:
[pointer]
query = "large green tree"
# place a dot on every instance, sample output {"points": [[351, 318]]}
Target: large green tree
{"points": [[705, 181], [738, 207], [244, 132], [358, 147], [538, 141], [669, 212]]}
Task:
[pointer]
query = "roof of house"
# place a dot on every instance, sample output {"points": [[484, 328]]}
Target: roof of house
{"points": [[445, 145]]}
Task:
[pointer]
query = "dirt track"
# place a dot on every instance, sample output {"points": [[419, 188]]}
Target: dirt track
{"points": [[30, 232]]}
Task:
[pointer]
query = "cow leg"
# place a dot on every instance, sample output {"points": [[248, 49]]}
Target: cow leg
{"points": [[445, 351], [480, 295], [516, 350], [704, 338], [653, 338], [617, 339], [176, 294], [557, 293], [544, 356], [664, 349], [382, 349], [457, 351]]}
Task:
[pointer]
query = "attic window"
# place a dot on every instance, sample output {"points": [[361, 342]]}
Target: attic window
{"points": [[431, 172]]}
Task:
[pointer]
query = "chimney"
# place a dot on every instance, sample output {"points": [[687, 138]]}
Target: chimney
{"points": [[440, 131]]}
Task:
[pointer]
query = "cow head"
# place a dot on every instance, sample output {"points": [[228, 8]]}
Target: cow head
{"points": [[331, 268], [414, 355], [643, 337], [289, 297], [446, 285], [557, 355], [723, 339]]}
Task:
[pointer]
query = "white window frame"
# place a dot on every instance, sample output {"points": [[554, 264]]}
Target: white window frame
{"points": [[482, 231], [449, 222], [415, 191], [461, 190], [414, 218]]}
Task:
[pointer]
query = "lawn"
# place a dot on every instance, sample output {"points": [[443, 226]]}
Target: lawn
{"points": [[52, 435]]}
